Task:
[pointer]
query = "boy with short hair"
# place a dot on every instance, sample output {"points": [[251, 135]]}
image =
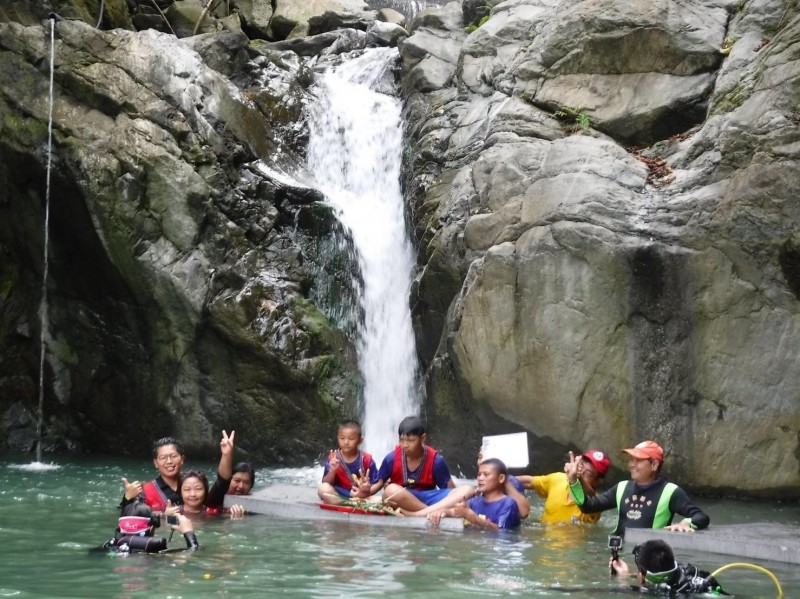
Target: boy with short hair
{"points": [[349, 472], [417, 475], [491, 508], [657, 570]]}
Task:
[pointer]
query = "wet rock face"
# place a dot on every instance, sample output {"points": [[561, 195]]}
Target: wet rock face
{"points": [[593, 295], [178, 287]]}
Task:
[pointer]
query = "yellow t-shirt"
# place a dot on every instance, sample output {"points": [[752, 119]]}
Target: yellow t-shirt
{"points": [[558, 503]]}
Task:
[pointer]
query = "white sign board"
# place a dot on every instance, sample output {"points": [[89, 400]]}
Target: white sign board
{"points": [[512, 449]]}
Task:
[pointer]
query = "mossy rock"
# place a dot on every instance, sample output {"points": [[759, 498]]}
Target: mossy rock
{"points": [[733, 99]]}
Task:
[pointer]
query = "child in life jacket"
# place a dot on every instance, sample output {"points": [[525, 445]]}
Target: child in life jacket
{"points": [[349, 472], [135, 533], [417, 475]]}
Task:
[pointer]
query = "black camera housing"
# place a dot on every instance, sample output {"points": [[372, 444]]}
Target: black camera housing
{"points": [[614, 544], [172, 520]]}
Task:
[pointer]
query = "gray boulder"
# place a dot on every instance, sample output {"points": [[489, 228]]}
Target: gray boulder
{"points": [[595, 296]]}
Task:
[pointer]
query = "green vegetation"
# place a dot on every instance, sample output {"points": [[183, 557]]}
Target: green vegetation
{"points": [[473, 26], [326, 367], [575, 117], [479, 22], [311, 319], [733, 99]]}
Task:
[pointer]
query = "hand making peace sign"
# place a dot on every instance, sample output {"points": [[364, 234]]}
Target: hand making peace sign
{"points": [[571, 468]]}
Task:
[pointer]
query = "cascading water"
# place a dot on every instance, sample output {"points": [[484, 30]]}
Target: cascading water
{"points": [[354, 153], [43, 313]]}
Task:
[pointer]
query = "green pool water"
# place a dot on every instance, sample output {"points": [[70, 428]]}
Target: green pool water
{"points": [[50, 520]]}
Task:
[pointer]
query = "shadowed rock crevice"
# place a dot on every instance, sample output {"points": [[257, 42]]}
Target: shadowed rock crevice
{"points": [[789, 259]]}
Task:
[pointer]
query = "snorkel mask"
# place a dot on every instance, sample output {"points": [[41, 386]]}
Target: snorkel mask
{"points": [[654, 577]]}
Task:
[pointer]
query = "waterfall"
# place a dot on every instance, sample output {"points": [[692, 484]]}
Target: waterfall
{"points": [[354, 153], [43, 315]]}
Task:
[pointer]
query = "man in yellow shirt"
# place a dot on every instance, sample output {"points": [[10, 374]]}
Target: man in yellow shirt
{"points": [[559, 505]]}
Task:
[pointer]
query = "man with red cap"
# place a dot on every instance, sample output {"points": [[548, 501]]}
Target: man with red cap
{"points": [[554, 488], [645, 501]]}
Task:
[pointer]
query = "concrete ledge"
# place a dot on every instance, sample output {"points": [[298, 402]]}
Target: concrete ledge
{"points": [[762, 541], [301, 503]]}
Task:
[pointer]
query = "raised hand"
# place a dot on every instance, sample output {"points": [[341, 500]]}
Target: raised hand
{"points": [[333, 461], [226, 444], [571, 468], [132, 490], [361, 486]]}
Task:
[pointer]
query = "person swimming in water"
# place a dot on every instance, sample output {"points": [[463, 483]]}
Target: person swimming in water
{"points": [[135, 533]]}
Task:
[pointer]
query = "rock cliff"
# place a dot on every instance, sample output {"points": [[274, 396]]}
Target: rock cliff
{"points": [[183, 264], [603, 195], [607, 216]]}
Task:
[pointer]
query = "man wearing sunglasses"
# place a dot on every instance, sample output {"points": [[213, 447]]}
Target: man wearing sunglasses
{"points": [[656, 569]]}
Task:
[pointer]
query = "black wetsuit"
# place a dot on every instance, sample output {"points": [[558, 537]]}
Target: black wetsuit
{"points": [[216, 494], [641, 506], [688, 580]]}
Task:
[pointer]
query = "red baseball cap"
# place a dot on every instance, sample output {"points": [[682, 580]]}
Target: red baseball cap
{"points": [[599, 460], [646, 450]]}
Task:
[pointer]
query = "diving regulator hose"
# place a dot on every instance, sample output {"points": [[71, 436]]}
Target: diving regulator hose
{"points": [[753, 567]]}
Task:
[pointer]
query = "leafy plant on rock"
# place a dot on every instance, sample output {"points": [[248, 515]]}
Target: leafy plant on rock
{"points": [[478, 22], [575, 117]]}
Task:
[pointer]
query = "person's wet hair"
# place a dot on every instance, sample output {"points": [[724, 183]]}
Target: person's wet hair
{"points": [[166, 441], [498, 465], [351, 424], [247, 469], [411, 425], [195, 474], [138, 508], [654, 556]]}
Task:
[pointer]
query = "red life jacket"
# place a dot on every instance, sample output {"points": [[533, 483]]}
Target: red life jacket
{"points": [[153, 496], [425, 481], [344, 477]]}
